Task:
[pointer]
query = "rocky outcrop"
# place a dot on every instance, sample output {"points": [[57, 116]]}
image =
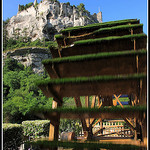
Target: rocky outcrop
{"points": [[30, 57], [48, 18]]}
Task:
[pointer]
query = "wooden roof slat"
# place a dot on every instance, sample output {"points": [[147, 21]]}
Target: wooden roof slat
{"points": [[119, 30], [99, 40], [112, 63], [100, 85], [104, 113], [93, 27], [94, 56], [107, 44]]}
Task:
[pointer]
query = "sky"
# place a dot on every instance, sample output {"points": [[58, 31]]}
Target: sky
{"points": [[111, 9]]}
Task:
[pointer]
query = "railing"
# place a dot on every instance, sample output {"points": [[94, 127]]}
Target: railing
{"points": [[113, 128]]}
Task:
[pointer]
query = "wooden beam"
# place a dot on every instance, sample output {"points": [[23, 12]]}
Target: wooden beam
{"points": [[98, 131], [92, 122], [64, 42], [87, 105], [97, 122], [87, 101], [144, 129], [126, 120], [129, 124], [93, 102], [131, 31], [141, 84], [117, 98], [101, 103], [54, 69], [137, 63], [98, 97], [135, 132], [53, 132], [92, 106], [78, 104], [134, 44], [55, 96], [59, 52], [78, 101], [119, 133]]}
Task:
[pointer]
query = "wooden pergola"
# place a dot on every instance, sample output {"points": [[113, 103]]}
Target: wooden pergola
{"points": [[99, 60]]}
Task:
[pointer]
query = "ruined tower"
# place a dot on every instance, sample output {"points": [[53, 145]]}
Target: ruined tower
{"points": [[35, 2], [99, 16]]}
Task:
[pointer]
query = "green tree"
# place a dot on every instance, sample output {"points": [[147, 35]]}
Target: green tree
{"points": [[81, 7], [20, 93]]}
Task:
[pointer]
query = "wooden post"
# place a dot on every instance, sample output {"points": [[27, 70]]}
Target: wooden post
{"points": [[142, 94], [78, 104], [54, 69], [87, 101], [59, 53], [92, 106], [87, 105], [131, 31], [54, 126], [137, 63], [134, 44], [101, 126], [135, 132], [64, 42], [144, 128], [93, 101], [117, 98], [98, 100], [89, 127], [99, 120]]}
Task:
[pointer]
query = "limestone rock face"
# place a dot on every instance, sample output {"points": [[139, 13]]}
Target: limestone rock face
{"points": [[30, 57], [48, 18]]}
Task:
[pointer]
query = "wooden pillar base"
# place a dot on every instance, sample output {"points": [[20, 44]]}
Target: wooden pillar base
{"points": [[53, 132], [144, 128], [89, 133]]}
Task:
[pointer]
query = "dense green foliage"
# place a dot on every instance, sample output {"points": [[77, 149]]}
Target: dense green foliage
{"points": [[81, 7], [20, 94], [67, 125], [89, 145], [19, 43], [24, 7], [12, 136], [54, 1], [36, 128]]}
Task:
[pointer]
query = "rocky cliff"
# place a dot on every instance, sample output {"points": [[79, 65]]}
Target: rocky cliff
{"points": [[47, 18], [30, 57], [44, 20]]}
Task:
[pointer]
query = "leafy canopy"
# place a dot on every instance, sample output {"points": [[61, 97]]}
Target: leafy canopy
{"points": [[20, 94]]}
